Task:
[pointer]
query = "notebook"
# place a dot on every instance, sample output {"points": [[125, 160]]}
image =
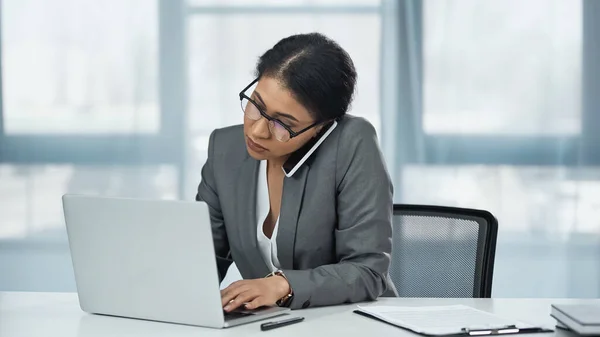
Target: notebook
{"points": [[581, 318], [447, 320]]}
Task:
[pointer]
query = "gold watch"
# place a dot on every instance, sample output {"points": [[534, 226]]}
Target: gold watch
{"points": [[285, 300]]}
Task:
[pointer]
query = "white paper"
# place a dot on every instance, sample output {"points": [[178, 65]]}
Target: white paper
{"points": [[439, 320]]}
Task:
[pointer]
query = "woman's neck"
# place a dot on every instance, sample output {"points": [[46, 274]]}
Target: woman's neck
{"points": [[276, 163]]}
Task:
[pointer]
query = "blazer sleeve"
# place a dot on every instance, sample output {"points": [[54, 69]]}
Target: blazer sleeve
{"points": [[364, 233], [208, 193]]}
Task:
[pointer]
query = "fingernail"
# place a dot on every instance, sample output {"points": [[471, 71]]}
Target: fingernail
{"points": [[226, 308]]}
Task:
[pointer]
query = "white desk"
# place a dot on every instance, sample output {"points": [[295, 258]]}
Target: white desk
{"points": [[58, 314]]}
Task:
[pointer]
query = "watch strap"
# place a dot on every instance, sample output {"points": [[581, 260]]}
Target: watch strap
{"points": [[285, 300]]}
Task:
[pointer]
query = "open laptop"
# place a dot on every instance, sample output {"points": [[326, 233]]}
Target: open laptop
{"points": [[148, 259]]}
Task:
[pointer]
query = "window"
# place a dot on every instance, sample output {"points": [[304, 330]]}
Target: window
{"points": [[503, 115], [542, 202], [83, 67], [30, 195], [82, 110], [502, 67]]}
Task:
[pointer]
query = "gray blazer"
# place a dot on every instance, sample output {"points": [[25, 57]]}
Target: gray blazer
{"points": [[335, 225]]}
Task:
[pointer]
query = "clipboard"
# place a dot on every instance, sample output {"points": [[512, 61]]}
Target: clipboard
{"points": [[393, 316]]}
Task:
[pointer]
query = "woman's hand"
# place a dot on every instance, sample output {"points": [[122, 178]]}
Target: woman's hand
{"points": [[254, 293]]}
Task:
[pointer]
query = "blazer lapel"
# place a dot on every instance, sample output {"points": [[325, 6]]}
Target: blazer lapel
{"points": [[247, 221], [291, 203]]}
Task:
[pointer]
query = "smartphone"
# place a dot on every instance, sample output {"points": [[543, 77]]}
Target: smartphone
{"points": [[302, 154]]}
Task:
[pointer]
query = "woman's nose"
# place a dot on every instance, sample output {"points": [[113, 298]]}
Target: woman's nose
{"points": [[260, 129]]}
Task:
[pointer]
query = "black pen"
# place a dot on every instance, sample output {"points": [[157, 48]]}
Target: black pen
{"points": [[279, 324]]}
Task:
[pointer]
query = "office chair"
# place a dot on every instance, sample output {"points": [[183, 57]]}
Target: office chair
{"points": [[443, 251]]}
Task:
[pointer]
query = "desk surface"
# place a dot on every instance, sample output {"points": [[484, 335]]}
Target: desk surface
{"points": [[58, 314]]}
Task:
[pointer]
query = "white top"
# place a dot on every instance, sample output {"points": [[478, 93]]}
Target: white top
{"points": [[268, 247], [58, 314]]}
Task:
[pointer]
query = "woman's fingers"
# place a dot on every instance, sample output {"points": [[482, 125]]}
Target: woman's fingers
{"points": [[232, 286], [232, 292], [241, 299], [257, 303]]}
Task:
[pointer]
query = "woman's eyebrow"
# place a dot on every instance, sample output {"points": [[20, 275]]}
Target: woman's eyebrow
{"points": [[264, 106], [282, 114]]}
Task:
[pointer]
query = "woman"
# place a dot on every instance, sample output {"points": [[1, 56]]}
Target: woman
{"points": [[304, 226]]}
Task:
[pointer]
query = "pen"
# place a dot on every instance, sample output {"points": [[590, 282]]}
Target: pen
{"points": [[278, 324]]}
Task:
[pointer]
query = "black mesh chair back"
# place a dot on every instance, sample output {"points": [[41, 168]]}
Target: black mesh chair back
{"points": [[443, 251]]}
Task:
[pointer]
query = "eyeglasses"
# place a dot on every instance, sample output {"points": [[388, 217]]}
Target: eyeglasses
{"points": [[278, 129]]}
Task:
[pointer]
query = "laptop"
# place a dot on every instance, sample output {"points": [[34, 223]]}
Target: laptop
{"points": [[148, 259]]}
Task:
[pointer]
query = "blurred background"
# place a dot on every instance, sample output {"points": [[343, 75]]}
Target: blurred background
{"points": [[481, 104]]}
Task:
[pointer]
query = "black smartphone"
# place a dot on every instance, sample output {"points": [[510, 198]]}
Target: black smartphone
{"points": [[302, 154]]}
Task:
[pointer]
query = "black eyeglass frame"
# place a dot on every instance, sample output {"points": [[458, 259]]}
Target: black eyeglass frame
{"points": [[293, 134]]}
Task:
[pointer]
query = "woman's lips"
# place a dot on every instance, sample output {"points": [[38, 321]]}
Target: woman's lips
{"points": [[253, 146]]}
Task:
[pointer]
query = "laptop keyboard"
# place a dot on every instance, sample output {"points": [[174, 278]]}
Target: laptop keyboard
{"points": [[237, 314], [240, 312]]}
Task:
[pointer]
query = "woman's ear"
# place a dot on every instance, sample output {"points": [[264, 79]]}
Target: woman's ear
{"points": [[318, 130], [320, 127]]}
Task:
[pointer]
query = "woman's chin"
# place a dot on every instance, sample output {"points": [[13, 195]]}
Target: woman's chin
{"points": [[256, 155]]}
